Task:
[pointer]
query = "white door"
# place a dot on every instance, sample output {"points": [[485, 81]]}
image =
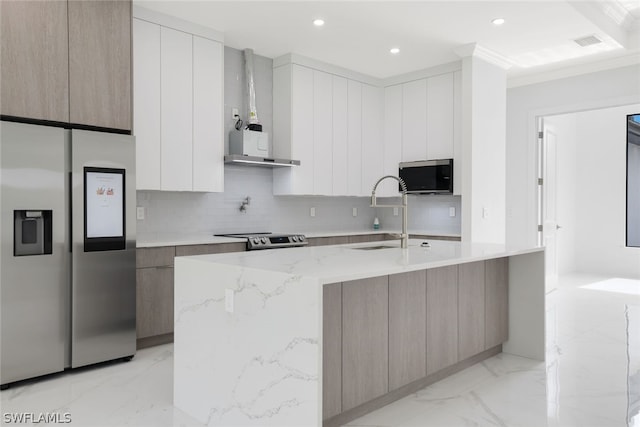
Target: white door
{"points": [[548, 199]]}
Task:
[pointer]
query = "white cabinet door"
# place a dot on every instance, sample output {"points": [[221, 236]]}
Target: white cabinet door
{"points": [[372, 137], [392, 138], [354, 138], [208, 135], [146, 103], [440, 117], [322, 133], [340, 136], [176, 110], [302, 130], [414, 121], [457, 133]]}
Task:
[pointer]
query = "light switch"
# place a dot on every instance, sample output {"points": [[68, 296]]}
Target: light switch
{"points": [[485, 212], [355, 212], [395, 211], [312, 212], [452, 211]]}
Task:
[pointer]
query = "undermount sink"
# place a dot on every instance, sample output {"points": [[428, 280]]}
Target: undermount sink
{"points": [[370, 248]]}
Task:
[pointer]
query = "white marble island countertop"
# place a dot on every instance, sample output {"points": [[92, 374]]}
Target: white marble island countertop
{"points": [[330, 264], [249, 325]]}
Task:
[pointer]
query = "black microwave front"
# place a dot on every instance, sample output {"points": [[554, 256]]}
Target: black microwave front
{"points": [[428, 176]]}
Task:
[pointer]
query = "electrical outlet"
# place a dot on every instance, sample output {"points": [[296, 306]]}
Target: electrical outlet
{"points": [[452, 211], [312, 212], [228, 300], [355, 212], [235, 113], [485, 212], [140, 213], [395, 211]]}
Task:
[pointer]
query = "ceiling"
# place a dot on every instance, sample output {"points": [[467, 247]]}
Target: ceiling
{"points": [[357, 35]]}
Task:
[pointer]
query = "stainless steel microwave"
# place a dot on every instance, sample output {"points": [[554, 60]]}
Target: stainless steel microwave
{"points": [[428, 176]]}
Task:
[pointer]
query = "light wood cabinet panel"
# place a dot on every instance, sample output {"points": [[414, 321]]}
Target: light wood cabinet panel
{"points": [[496, 301], [100, 63], [34, 48], [218, 248], [470, 309], [340, 137], [414, 121], [364, 238], [354, 138], [208, 137], [429, 237], [331, 350], [322, 133], [176, 110], [407, 328], [324, 241], [440, 117], [154, 301], [146, 103], [365, 340], [155, 257], [442, 318]]}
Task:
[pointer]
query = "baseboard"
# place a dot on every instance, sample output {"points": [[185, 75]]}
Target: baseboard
{"points": [[154, 340]]}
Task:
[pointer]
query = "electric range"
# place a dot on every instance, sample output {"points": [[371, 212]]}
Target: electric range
{"points": [[268, 240]]}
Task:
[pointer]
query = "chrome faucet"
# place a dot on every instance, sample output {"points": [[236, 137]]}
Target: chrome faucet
{"points": [[404, 237]]}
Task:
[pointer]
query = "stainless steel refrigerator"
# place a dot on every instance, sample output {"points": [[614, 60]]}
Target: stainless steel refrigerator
{"points": [[67, 250]]}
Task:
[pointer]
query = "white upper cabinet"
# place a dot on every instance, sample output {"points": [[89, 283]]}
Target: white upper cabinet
{"points": [[178, 101], [340, 136], [146, 103], [322, 133], [372, 137], [176, 110], [440, 117], [354, 138], [392, 138], [208, 127], [414, 121]]}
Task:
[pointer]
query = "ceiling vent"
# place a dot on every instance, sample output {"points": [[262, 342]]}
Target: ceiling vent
{"points": [[588, 41]]}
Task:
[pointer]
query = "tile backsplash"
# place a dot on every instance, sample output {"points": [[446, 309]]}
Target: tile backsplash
{"points": [[187, 212]]}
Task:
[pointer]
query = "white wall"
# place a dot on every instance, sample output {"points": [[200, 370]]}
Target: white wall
{"points": [[483, 151], [589, 91], [592, 149]]}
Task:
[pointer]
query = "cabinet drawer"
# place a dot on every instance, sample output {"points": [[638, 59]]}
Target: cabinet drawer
{"points": [[218, 248], [155, 257]]}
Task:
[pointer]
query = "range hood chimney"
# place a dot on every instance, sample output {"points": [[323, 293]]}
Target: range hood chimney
{"points": [[253, 122], [251, 146]]}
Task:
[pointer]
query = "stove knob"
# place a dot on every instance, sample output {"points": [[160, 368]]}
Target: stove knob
{"points": [[294, 238], [264, 240], [301, 238], [255, 240]]}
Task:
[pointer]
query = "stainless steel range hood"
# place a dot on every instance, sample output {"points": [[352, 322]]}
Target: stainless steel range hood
{"points": [[239, 159]]}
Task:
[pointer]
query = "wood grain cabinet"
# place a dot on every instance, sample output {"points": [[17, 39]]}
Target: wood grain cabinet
{"points": [[67, 61], [100, 63], [407, 328], [365, 340], [442, 318], [35, 60], [331, 350], [496, 301], [471, 309], [154, 291]]}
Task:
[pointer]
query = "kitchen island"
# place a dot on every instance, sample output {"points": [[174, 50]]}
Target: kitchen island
{"points": [[321, 335]]}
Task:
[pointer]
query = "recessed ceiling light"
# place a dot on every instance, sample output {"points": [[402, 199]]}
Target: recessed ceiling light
{"points": [[318, 22], [394, 50], [498, 21]]}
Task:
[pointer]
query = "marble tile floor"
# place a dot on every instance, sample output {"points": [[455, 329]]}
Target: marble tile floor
{"points": [[591, 377]]}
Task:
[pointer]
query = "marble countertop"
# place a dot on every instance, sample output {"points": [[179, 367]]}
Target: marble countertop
{"points": [[149, 240], [339, 263]]}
